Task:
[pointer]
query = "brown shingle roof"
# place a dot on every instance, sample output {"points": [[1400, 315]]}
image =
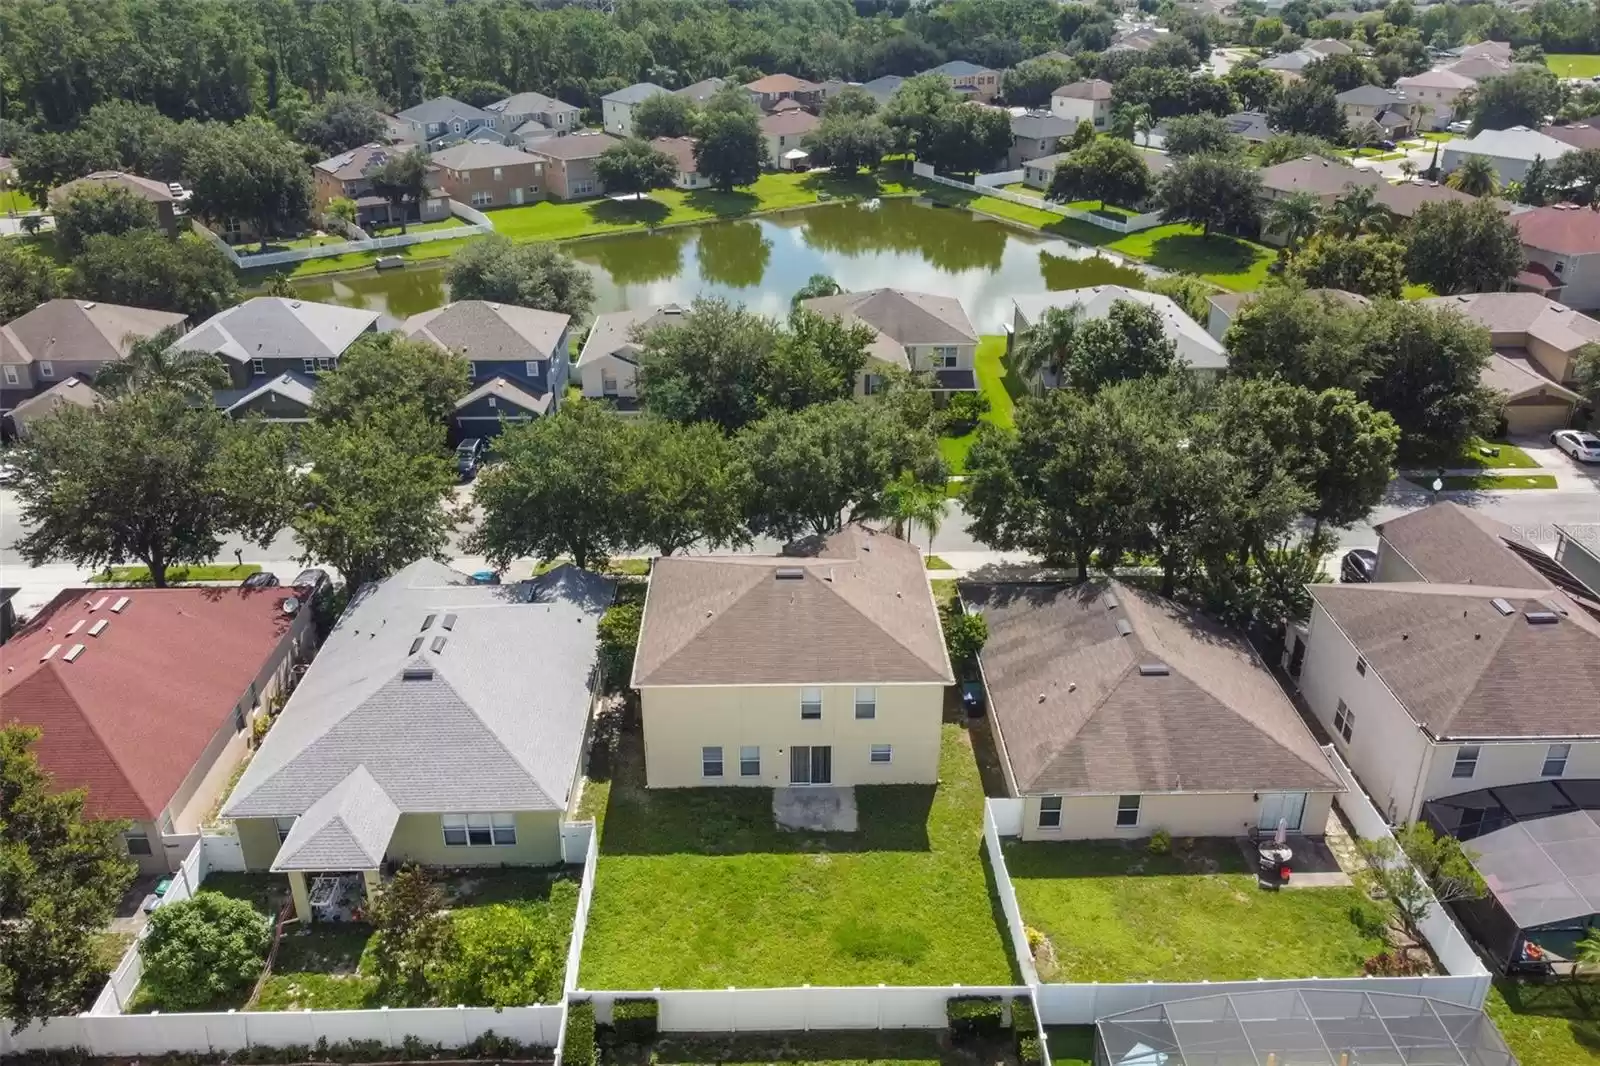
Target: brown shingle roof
{"points": [[1464, 670], [785, 123], [1406, 198], [573, 146], [68, 393], [781, 83], [1093, 89], [904, 317], [1565, 228], [1316, 175], [80, 331], [1511, 317], [680, 149], [1578, 134], [1455, 545], [853, 609], [148, 188], [1077, 714]]}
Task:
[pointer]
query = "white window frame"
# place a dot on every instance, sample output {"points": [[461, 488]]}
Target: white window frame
{"points": [[482, 199], [1124, 808], [498, 174], [870, 702], [308, 365], [1361, 665], [1050, 812], [47, 369], [1466, 756], [806, 701], [1550, 756], [324, 363], [885, 750], [493, 830], [707, 761], [258, 367], [503, 829], [1344, 721], [472, 369], [11, 375], [531, 368], [749, 760], [283, 826]]}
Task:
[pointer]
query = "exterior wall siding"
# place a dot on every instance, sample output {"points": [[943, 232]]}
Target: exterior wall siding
{"points": [[1581, 561], [522, 183], [258, 841], [419, 838], [1181, 814], [679, 722], [593, 377], [922, 355], [1505, 764], [1391, 567]]}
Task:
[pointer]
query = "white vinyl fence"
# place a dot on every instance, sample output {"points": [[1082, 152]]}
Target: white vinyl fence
{"points": [[580, 921], [1003, 885], [1131, 224], [478, 224], [764, 1010], [998, 178]]}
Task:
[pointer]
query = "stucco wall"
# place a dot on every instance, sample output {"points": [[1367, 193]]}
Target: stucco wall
{"points": [[679, 722], [1580, 559], [420, 838], [258, 841], [1182, 815], [1505, 764], [626, 374]]}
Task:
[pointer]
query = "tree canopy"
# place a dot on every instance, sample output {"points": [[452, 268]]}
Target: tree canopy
{"points": [[528, 275], [634, 167], [1213, 192], [1105, 169], [1460, 247]]}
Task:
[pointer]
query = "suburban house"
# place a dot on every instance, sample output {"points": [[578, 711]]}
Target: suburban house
{"points": [[489, 174], [153, 192], [1291, 65], [1034, 135], [1389, 109], [1480, 67], [1562, 244], [517, 356], [1510, 151], [915, 331], [1328, 180], [1224, 307], [884, 88], [969, 79], [1471, 661], [1118, 713], [770, 90], [62, 339], [608, 366], [569, 163], [1584, 133], [1039, 173], [273, 348], [701, 91], [1439, 91], [1136, 39], [823, 666], [144, 698], [1083, 101], [1327, 46], [1196, 349], [72, 392], [681, 149], [349, 176], [530, 116], [1536, 343], [444, 120], [785, 134], [429, 730], [1250, 126], [1578, 552], [616, 109]]}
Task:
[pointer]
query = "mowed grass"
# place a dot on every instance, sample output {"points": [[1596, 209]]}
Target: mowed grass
{"points": [[1511, 457], [1114, 912], [1490, 482], [1548, 1025], [1572, 65], [697, 888], [1070, 1045], [1001, 386], [15, 201], [140, 575]]}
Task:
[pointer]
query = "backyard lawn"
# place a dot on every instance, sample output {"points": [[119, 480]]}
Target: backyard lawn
{"points": [[1569, 65], [1113, 912], [15, 201], [1490, 482], [1548, 1025], [1070, 1045], [886, 1047], [1001, 386], [140, 575], [697, 888]]}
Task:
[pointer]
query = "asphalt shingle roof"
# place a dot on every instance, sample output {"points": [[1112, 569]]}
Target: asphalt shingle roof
{"points": [[637, 93], [904, 317], [443, 109], [347, 829], [80, 331], [1196, 348], [612, 332], [275, 327], [476, 155], [491, 332]]}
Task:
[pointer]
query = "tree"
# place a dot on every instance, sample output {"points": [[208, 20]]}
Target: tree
{"points": [[1475, 176], [157, 362], [1200, 134], [685, 485], [1426, 364], [1047, 345], [1104, 169], [96, 209], [1586, 373], [1294, 218], [201, 949], [1537, 185], [147, 479], [967, 138], [730, 149], [381, 368], [556, 491], [1029, 84], [1521, 97], [1414, 868], [664, 115], [191, 275], [634, 168], [1126, 120], [848, 142], [1256, 88], [1370, 266], [914, 111], [402, 179], [1463, 247], [341, 122], [1287, 146], [1341, 73], [1214, 192], [27, 279], [851, 100], [619, 641], [964, 636], [1306, 107], [908, 502], [816, 285], [1357, 211], [1129, 342], [1309, 339], [414, 933], [495, 270], [63, 875], [248, 171]]}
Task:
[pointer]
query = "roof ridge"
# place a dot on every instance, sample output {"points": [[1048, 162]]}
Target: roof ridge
{"points": [[893, 634], [441, 673]]}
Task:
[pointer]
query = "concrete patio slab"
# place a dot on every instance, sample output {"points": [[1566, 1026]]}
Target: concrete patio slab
{"points": [[820, 810]]}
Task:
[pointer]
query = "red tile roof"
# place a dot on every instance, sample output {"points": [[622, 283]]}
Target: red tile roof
{"points": [[1567, 229], [131, 714]]}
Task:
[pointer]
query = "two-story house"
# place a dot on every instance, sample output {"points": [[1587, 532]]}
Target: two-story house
{"points": [[1036, 135], [1083, 101], [823, 666], [63, 339], [524, 117], [155, 193], [568, 163], [274, 347], [969, 79], [444, 120], [1471, 661], [785, 132], [1562, 243], [768, 91], [608, 366], [348, 175], [517, 356], [914, 331], [1390, 110], [489, 175], [1436, 96], [616, 109]]}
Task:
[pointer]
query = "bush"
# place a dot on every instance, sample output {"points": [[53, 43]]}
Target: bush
{"points": [[1160, 843], [964, 636], [202, 949], [1025, 1030], [1369, 918], [1028, 1051], [579, 1050], [974, 1018], [1393, 964], [619, 636], [962, 412], [1035, 939], [634, 1020], [506, 956]]}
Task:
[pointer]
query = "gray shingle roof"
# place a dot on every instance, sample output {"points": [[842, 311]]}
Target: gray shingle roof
{"points": [[883, 88], [509, 391], [958, 68], [80, 330], [904, 317], [1077, 714], [477, 155], [1518, 142], [291, 386], [491, 332], [347, 829], [454, 697], [530, 104], [1035, 126], [443, 109], [275, 327], [612, 332], [637, 93], [1195, 347], [1371, 96], [69, 393]]}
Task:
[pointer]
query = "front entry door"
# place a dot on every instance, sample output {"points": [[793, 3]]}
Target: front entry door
{"points": [[1290, 806], [810, 764]]}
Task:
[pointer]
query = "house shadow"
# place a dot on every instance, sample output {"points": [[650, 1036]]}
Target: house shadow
{"points": [[1047, 860]]}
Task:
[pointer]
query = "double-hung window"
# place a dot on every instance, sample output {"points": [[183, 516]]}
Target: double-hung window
{"points": [[811, 703], [711, 762], [750, 762], [308, 365], [504, 828], [866, 703], [258, 367], [480, 830], [1127, 812], [1466, 761], [1555, 760], [882, 753], [1050, 812], [1344, 721], [12, 377], [137, 841], [47, 369], [531, 368]]}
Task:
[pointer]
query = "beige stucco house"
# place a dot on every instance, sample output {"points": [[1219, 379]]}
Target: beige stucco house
{"points": [[568, 163], [916, 331], [823, 666], [443, 724], [608, 366], [1118, 713], [1083, 101]]}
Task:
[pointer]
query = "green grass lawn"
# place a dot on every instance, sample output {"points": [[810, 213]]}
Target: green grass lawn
{"points": [[1070, 1045], [15, 200], [1548, 1025], [1491, 482], [1114, 912], [140, 575], [1024, 190], [697, 888], [1569, 65], [933, 562], [1416, 291], [415, 227], [886, 1047], [1001, 386], [1380, 154], [1440, 137], [1510, 457]]}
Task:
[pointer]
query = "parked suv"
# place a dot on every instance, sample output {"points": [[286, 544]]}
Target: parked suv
{"points": [[469, 457]]}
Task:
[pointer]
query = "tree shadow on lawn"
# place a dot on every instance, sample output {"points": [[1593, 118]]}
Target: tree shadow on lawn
{"points": [[1575, 1002], [1053, 860], [1191, 253], [645, 211], [325, 947], [731, 204]]}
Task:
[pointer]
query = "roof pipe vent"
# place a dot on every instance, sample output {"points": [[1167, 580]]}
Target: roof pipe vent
{"points": [[1503, 606]]}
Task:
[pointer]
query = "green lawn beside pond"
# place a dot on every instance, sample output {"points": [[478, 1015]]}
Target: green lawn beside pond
{"points": [[1490, 482], [1572, 65], [1002, 387]]}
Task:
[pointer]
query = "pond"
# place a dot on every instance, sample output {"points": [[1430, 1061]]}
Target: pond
{"points": [[762, 262]]}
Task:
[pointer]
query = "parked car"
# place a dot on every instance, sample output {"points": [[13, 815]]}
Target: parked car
{"points": [[262, 579], [390, 262], [1458, 127], [485, 577], [315, 581], [1357, 566], [469, 456], [1580, 444], [1387, 146]]}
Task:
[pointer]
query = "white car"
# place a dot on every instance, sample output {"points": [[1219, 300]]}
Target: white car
{"points": [[1580, 444]]}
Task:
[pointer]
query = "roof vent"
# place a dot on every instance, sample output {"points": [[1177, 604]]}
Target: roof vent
{"points": [[47, 656], [417, 673], [1542, 618], [449, 621], [1503, 606], [427, 622], [73, 652], [1111, 601], [116, 608], [790, 573], [1123, 628], [101, 602], [438, 645], [1153, 670], [416, 645], [99, 627], [76, 626]]}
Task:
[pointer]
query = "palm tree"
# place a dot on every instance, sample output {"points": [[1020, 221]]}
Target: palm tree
{"points": [[1358, 211], [1143, 123], [154, 363], [1475, 176], [1408, 169], [1126, 118], [1046, 346], [1295, 217], [1587, 957], [816, 285], [908, 502], [1368, 132]]}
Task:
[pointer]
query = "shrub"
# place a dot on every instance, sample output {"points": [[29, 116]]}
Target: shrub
{"points": [[507, 956], [1392, 964], [1035, 939], [1024, 1029], [579, 1050], [1160, 843], [259, 727], [202, 949], [619, 636], [974, 1018], [964, 636], [1028, 1051], [962, 412], [634, 1020], [1369, 918]]}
